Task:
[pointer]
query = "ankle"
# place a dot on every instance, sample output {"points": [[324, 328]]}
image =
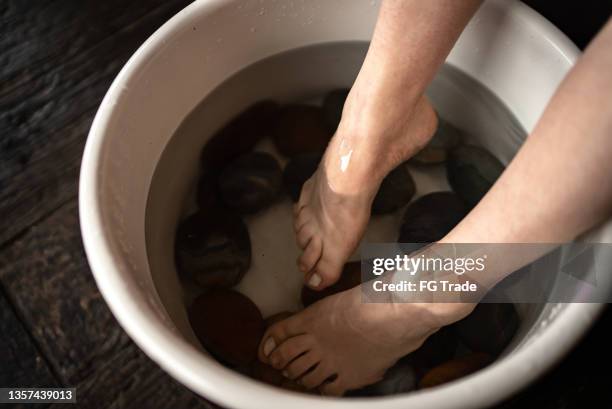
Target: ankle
{"points": [[390, 131]]}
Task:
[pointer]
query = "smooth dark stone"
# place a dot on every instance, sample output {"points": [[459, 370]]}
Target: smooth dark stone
{"points": [[273, 319], [350, 277], [395, 191], [207, 195], [301, 129], [251, 182], [489, 328], [333, 103], [400, 378], [455, 369], [431, 217], [437, 150], [214, 249], [239, 135], [299, 169], [265, 373], [471, 171], [437, 349], [229, 326]]}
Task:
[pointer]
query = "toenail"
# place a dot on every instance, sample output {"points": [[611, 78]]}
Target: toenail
{"points": [[286, 374], [269, 346], [315, 280]]}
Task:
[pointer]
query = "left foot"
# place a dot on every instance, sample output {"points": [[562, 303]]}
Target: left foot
{"points": [[334, 206], [341, 343]]}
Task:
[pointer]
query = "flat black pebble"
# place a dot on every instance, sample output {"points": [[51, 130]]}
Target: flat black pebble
{"points": [[431, 217], [251, 182], [395, 191], [489, 328], [239, 135], [471, 171], [207, 195], [213, 248], [299, 169], [333, 103]]}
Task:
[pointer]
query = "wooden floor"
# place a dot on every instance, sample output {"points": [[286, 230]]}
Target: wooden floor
{"points": [[57, 59]]}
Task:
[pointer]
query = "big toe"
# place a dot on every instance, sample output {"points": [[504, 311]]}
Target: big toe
{"points": [[276, 335], [325, 272]]}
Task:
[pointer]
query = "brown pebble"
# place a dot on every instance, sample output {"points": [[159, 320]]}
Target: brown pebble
{"points": [[229, 326], [455, 369], [266, 373], [350, 277], [273, 319], [301, 129], [239, 135]]}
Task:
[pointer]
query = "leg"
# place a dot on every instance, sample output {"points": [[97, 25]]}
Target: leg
{"points": [[558, 185], [355, 343], [386, 119]]}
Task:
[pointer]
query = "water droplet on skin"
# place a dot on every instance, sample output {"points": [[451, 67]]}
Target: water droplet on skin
{"points": [[344, 161], [253, 29]]}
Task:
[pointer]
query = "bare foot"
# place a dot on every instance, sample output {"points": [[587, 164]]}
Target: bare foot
{"points": [[340, 343], [334, 206]]}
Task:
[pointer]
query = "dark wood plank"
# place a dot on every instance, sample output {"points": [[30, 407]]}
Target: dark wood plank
{"points": [[47, 276], [56, 63], [131, 380], [21, 363]]}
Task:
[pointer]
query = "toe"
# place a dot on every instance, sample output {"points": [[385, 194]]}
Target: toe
{"points": [[305, 193], [323, 274], [311, 255], [317, 376], [333, 388], [276, 336], [304, 235], [302, 217], [301, 365], [296, 209], [289, 350]]}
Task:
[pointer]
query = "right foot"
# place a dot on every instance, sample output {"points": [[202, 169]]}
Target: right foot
{"points": [[334, 205]]}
